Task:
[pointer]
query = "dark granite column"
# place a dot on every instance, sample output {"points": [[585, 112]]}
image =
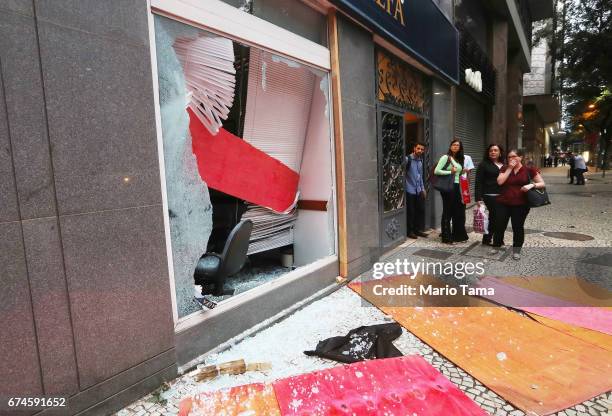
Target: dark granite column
{"points": [[443, 122], [357, 74], [86, 306], [514, 100], [36, 345], [496, 124]]}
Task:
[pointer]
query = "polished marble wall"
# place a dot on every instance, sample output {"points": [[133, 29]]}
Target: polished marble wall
{"points": [[357, 79], [85, 290]]}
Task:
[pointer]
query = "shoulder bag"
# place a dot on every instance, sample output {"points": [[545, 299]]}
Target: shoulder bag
{"points": [[536, 197], [443, 183]]}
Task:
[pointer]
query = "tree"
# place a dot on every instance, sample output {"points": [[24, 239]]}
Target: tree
{"points": [[580, 44]]}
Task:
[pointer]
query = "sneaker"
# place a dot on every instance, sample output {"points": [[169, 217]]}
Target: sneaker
{"points": [[494, 251], [412, 235], [516, 256], [422, 234]]}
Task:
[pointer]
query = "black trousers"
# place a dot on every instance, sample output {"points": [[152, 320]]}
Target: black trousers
{"points": [[572, 173], [579, 176], [453, 211], [415, 209], [517, 214], [493, 207]]}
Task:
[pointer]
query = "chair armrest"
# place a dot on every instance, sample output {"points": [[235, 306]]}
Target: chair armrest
{"points": [[208, 265]]}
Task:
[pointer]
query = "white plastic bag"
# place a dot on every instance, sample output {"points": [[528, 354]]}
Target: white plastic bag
{"points": [[485, 214], [481, 219]]}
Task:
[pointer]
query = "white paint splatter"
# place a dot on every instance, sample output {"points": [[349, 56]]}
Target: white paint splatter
{"points": [[295, 404], [501, 356]]}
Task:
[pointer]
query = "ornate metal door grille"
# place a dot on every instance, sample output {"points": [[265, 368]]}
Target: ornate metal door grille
{"points": [[400, 89], [393, 156]]}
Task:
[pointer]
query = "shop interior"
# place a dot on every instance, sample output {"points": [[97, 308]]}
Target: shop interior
{"points": [[260, 134], [414, 130]]}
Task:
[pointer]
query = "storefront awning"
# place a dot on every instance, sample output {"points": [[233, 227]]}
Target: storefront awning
{"points": [[418, 27]]}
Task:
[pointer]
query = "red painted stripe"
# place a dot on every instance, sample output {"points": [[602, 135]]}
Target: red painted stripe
{"points": [[231, 165]]}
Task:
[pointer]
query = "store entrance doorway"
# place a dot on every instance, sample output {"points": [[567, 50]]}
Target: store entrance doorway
{"points": [[414, 130], [414, 127], [391, 174]]}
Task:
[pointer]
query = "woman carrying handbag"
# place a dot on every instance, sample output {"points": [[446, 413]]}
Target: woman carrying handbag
{"points": [[447, 172], [515, 181]]}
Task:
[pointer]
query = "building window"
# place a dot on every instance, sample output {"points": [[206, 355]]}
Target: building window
{"points": [[246, 136]]}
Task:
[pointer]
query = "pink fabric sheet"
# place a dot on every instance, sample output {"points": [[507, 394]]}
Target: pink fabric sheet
{"points": [[393, 386], [595, 318]]}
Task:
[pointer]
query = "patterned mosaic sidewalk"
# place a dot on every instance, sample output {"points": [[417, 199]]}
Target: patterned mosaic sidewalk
{"points": [[303, 330], [572, 211]]}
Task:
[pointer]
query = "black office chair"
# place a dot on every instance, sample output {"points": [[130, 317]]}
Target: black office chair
{"points": [[213, 269]]}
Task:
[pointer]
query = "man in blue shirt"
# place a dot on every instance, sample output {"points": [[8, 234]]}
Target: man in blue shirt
{"points": [[415, 192]]}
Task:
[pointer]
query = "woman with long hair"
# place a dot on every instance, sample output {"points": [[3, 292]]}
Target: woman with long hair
{"points": [[453, 209], [487, 188], [515, 180]]}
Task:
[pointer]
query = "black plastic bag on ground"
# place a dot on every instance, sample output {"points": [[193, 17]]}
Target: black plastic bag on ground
{"points": [[363, 343]]}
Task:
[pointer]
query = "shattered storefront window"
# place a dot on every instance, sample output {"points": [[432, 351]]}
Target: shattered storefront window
{"points": [[246, 138]]}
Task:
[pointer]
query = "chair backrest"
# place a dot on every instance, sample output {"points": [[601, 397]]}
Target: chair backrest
{"points": [[236, 246]]}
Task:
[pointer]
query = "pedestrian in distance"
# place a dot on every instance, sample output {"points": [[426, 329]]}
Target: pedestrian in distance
{"points": [[579, 169], [514, 180], [572, 164], [415, 192], [487, 188], [453, 209]]}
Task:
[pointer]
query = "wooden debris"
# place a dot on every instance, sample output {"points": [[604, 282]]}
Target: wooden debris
{"points": [[231, 367], [259, 367]]}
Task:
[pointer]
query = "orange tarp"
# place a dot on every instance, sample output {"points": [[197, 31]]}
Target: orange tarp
{"points": [[538, 369], [252, 399]]}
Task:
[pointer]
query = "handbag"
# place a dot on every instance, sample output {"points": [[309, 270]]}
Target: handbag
{"points": [[464, 185], [443, 183], [536, 197]]}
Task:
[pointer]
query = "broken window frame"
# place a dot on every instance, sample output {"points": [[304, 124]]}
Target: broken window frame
{"points": [[222, 19]]}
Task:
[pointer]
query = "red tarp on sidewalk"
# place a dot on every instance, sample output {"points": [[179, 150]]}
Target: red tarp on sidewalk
{"points": [[392, 386]]}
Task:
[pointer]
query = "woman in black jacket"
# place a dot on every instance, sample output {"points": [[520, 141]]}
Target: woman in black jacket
{"points": [[487, 188]]}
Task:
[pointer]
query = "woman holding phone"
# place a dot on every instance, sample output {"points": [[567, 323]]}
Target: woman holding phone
{"points": [[515, 180]]}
